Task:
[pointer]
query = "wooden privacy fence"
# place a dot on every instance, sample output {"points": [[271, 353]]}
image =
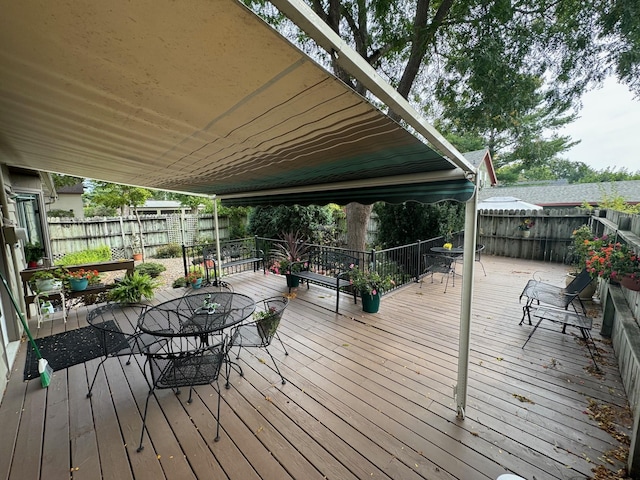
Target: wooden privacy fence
{"points": [[548, 240], [73, 234]]}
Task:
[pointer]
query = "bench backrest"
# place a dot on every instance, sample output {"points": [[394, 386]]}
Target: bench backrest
{"points": [[331, 262]]}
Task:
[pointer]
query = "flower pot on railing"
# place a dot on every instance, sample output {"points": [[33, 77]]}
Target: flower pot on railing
{"points": [[631, 283]]}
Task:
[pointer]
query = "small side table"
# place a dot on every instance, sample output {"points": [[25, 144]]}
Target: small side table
{"points": [[42, 315]]}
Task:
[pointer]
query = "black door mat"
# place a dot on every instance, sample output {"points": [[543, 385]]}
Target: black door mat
{"points": [[69, 348]]}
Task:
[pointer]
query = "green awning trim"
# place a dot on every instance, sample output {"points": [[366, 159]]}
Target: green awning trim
{"points": [[458, 190]]}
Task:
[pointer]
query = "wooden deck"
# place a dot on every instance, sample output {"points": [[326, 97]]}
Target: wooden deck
{"points": [[368, 396]]}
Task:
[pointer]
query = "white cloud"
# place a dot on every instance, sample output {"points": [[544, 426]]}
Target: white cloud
{"points": [[609, 127]]}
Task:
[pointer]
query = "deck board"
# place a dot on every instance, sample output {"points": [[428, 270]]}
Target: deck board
{"points": [[367, 396]]}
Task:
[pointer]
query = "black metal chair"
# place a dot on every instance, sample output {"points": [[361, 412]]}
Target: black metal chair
{"points": [[438, 263], [118, 335], [260, 332], [184, 369], [552, 295], [478, 258]]}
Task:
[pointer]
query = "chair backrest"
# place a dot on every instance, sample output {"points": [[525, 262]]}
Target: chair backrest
{"points": [[115, 324], [435, 263], [184, 369], [479, 249], [268, 323], [582, 281]]}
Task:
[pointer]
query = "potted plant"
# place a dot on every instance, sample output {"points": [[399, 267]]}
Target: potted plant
{"points": [[526, 226], [195, 276], [133, 288], [136, 247], [615, 262], [80, 279], [289, 257], [370, 284], [33, 253], [46, 281]]}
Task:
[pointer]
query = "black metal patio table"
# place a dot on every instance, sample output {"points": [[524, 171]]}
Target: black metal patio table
{"points": [[196, 316]]}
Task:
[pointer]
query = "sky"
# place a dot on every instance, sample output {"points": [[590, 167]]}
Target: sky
{"points": [[609, 127]]}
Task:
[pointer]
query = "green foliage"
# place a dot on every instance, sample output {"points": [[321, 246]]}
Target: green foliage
{"points": [[171, 250], [409, 222], [99, 211], [370, 282], [311, 222], [58, 213], [179, 282], [116, 196], [616, 202], [93, 255], [133, 288], [65, 180], [150, 268], [33, 252]]}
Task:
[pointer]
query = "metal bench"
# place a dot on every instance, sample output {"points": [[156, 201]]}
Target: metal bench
{"points": [[233, 255], [328, 268]]}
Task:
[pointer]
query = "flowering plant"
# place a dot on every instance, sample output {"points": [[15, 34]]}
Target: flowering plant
{"points": [[369, 281], [289, 254], [284, 266], [527, 224], [613, 261], [92, 275], [193, 275]]}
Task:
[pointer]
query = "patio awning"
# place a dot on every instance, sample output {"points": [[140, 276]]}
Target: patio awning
{"points": [[199, 97]]}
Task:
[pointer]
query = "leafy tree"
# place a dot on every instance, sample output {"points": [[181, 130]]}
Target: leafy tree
{"points": [[311, 222], [506, 70], [65, 180], [116, 196], [411, 221]]}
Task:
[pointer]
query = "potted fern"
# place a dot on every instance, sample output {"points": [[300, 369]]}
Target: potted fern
{"points": [[133, 288]]}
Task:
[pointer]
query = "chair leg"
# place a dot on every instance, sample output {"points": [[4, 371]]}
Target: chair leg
{"points": [[217, 389], [483, 270], [276, 365], [283, 347], [95, 376], [144, 419]]}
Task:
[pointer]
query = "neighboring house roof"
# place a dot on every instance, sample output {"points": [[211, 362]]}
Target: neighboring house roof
{"points": [[506, 203], [478, 158], [568, 195]]}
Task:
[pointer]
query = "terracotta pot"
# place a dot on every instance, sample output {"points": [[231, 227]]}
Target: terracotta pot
{"points": [[631, 283], [137, 257]]}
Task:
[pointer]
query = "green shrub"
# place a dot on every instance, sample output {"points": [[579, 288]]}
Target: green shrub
{"points": [[171, 250], [57, 213], [179, 282], [133, 288], [152, 269], [94, 255]]}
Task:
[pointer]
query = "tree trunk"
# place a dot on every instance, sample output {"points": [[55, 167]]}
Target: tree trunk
{"points": [[357, 222]]}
